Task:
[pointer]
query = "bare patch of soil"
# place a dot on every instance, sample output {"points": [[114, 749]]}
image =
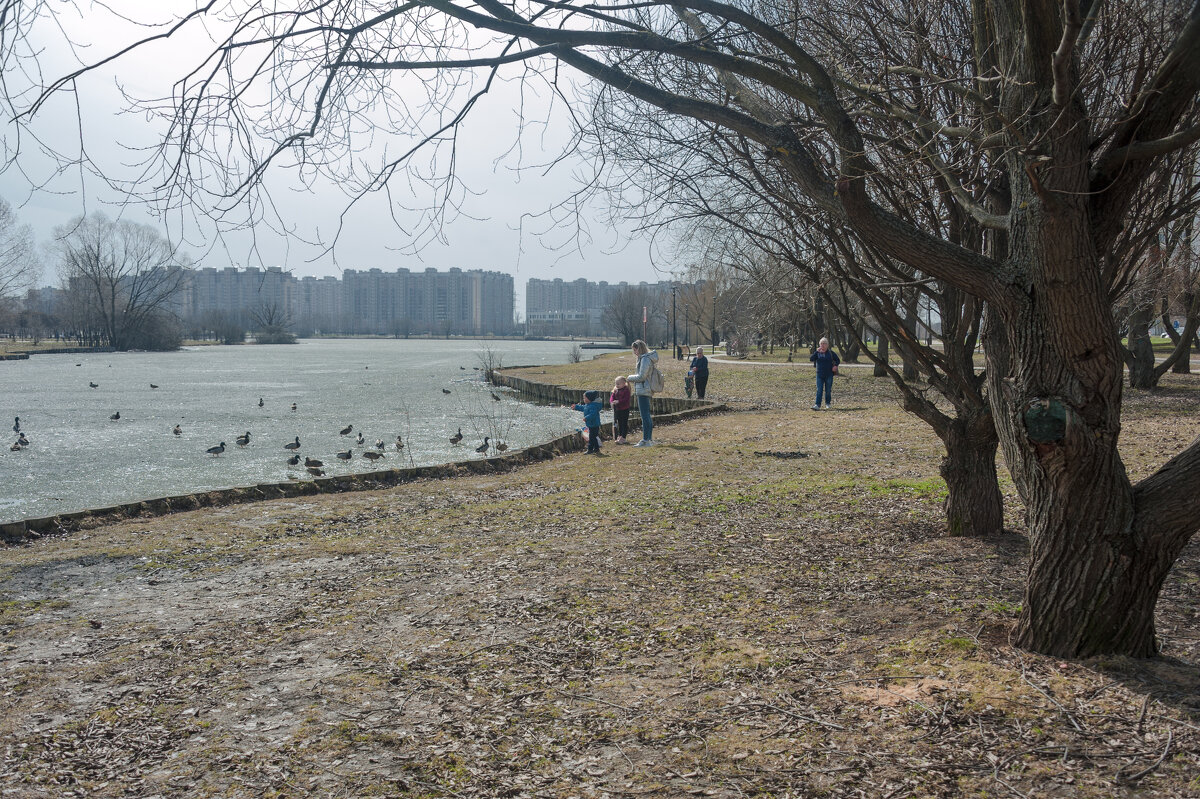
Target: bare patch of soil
{"points": [[690, 619]]}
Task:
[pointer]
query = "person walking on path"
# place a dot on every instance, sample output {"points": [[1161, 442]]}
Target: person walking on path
{"points": [[826, 361], [699, 370], [591, 418], [620, 399], [646, 359]]}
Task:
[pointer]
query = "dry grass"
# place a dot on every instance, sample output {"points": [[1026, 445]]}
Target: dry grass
{"points": [[691, 619]]}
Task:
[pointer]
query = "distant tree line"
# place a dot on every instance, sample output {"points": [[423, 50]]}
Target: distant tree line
{"points": [[121, 286]]}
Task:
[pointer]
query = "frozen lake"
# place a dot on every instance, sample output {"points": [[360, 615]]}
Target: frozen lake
{"points": [[79, 458]]}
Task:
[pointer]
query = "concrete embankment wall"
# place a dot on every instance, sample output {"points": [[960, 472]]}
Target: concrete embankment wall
{"points": [[18, 532], [666, 410]]}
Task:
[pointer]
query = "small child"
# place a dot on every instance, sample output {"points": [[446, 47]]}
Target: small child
{"points": [[620, 399], [591, 417]]}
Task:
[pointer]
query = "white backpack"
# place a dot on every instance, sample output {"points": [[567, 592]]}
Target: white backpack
{"points": [[656, 380]]}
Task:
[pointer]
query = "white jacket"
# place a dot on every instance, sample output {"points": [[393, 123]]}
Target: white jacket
{"points": [[641, 380]]}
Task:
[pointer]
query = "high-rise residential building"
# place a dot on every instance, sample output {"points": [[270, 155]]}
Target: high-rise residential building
{"points": [[239, 294], [368, 302], [578, 307]]}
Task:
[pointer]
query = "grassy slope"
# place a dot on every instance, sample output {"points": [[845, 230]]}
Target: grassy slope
{"points": [[692, 618]]}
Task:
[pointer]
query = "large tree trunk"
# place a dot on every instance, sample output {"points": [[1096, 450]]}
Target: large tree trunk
{"points": [[1183, 366], [909, 369], [1183, 342], [851, 351], [974, 505], [1093, 578], [1140, 350], [882, 364]]}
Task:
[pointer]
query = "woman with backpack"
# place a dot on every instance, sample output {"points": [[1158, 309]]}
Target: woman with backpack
{"points": [[644, 385]]}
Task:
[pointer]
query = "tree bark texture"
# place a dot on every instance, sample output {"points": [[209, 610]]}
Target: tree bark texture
{"points": [[974, 505], [1092, 582], [1140, 357]]}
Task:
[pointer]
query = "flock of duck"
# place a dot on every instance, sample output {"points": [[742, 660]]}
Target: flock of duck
{"points": [[312, 465], [316, 467]]}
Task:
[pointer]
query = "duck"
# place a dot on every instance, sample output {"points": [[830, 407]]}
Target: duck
{"points": [[347, 455], [260, 402], [293, 445], [16, 447], [294, 460], [217, 450], [22, 441], [16, 424], [495, 396], [93, 385], [372, 456], [399, 442], [463, 368], [347, 430], [116, 417], [501, 446], [483, 448], [315, 471], [360, 439], [242, 441], [153, 386], [445, 391], [313, 463], [457, 437], [379, 443], [293, 407], [177, 430]]}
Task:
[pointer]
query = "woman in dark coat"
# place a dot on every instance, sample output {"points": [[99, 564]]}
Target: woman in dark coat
{"points": [[826, 361], [699, 369]]}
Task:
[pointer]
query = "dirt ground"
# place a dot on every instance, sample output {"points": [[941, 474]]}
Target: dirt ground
{"points": [[705, 617]]}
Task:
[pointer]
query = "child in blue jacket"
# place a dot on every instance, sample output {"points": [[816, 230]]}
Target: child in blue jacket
{"points": [[591, 417]]}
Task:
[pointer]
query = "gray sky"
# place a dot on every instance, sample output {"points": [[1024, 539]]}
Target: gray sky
{"points": [[500, 227]]}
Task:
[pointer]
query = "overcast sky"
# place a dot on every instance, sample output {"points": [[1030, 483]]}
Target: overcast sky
{"points": [[502, 227]]}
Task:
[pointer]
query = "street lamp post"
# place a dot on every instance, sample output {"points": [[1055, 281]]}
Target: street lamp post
{"points": [[674, 325]]}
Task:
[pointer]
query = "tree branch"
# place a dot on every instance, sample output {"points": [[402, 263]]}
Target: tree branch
{"points": [[1064, 55]]}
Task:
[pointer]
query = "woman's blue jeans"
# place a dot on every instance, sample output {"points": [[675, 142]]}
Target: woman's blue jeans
{"points": [[824, 382], [647, 420]]}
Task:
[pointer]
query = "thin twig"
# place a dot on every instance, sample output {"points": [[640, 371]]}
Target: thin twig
{"points": [[1123, 780], [1057, 704]]}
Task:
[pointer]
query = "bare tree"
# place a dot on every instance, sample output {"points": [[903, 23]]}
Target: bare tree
{"points": [[125, 278], [19, 264], [272, 323], [625, 313], [1165, 276], [1046, 121], [1183, 298]]}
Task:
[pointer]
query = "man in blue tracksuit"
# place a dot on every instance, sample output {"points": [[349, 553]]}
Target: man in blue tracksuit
{"points": [[827, 362]]}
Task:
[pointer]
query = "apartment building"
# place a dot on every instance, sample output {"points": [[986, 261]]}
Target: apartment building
{"points": [[578, 307], [372, 302]]}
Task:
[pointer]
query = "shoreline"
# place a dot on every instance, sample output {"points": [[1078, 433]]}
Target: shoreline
{"points": [[666, 410]]}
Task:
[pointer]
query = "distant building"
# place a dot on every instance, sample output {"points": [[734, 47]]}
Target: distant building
{"points": [[238, 294], [578, 307], [366, 302]]}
